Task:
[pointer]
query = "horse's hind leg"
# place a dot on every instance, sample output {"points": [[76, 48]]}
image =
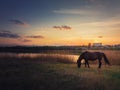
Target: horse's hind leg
{"points": [[100, 63]]}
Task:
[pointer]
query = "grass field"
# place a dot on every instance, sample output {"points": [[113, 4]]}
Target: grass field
{"points": [[32, 74]]}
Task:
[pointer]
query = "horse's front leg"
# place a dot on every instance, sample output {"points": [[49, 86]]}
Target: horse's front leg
{"points": [[85, 63]]}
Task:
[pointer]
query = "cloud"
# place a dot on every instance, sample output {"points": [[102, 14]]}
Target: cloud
{"points": [[57, 27], [100, 36], [92, 0], [8, 34], [83, 12], [63, 27], [19, 22], [35, 36], [66, 27], [25, 40], [106, 23]]}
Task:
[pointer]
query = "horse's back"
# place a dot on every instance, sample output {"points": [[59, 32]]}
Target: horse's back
{"points": [[91, 55]]}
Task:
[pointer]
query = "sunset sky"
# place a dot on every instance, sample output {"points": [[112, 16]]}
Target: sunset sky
{"points": [[59, 22]]}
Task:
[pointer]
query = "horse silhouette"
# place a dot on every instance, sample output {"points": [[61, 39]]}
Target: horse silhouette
{"points": [[92, 56]]}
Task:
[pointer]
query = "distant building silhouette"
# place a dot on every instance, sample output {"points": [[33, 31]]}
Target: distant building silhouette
{"points": [[97, 44]]}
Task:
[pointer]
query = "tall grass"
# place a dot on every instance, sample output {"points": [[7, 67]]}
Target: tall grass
{"points": [[113, 56]]}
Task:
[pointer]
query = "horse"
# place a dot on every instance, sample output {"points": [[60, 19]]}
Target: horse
{"points": [[92, 56]]}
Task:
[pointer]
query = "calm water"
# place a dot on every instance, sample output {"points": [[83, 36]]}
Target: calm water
{"points": [[33, 55]]}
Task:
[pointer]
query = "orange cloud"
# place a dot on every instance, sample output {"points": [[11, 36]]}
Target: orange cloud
{"points": [[35, 36]]}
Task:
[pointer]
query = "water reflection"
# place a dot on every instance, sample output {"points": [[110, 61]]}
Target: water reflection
{"points": [[33, 55]]}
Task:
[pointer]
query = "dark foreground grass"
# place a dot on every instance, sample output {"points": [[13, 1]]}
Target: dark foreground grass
{"points": [[33, 75]]}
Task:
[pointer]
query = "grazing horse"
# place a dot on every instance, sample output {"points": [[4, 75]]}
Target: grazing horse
{"points": [[92, 56]]}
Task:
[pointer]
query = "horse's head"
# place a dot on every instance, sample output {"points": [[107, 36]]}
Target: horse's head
{"points": [[79, 60]]}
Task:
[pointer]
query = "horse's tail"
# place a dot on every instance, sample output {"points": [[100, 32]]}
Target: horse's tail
{"points": [[106, 59]]}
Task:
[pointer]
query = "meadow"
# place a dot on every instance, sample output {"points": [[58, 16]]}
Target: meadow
{"points": [[56, 72]]}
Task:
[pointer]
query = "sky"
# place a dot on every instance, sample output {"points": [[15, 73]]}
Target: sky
{"points": [[59, 22]]}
